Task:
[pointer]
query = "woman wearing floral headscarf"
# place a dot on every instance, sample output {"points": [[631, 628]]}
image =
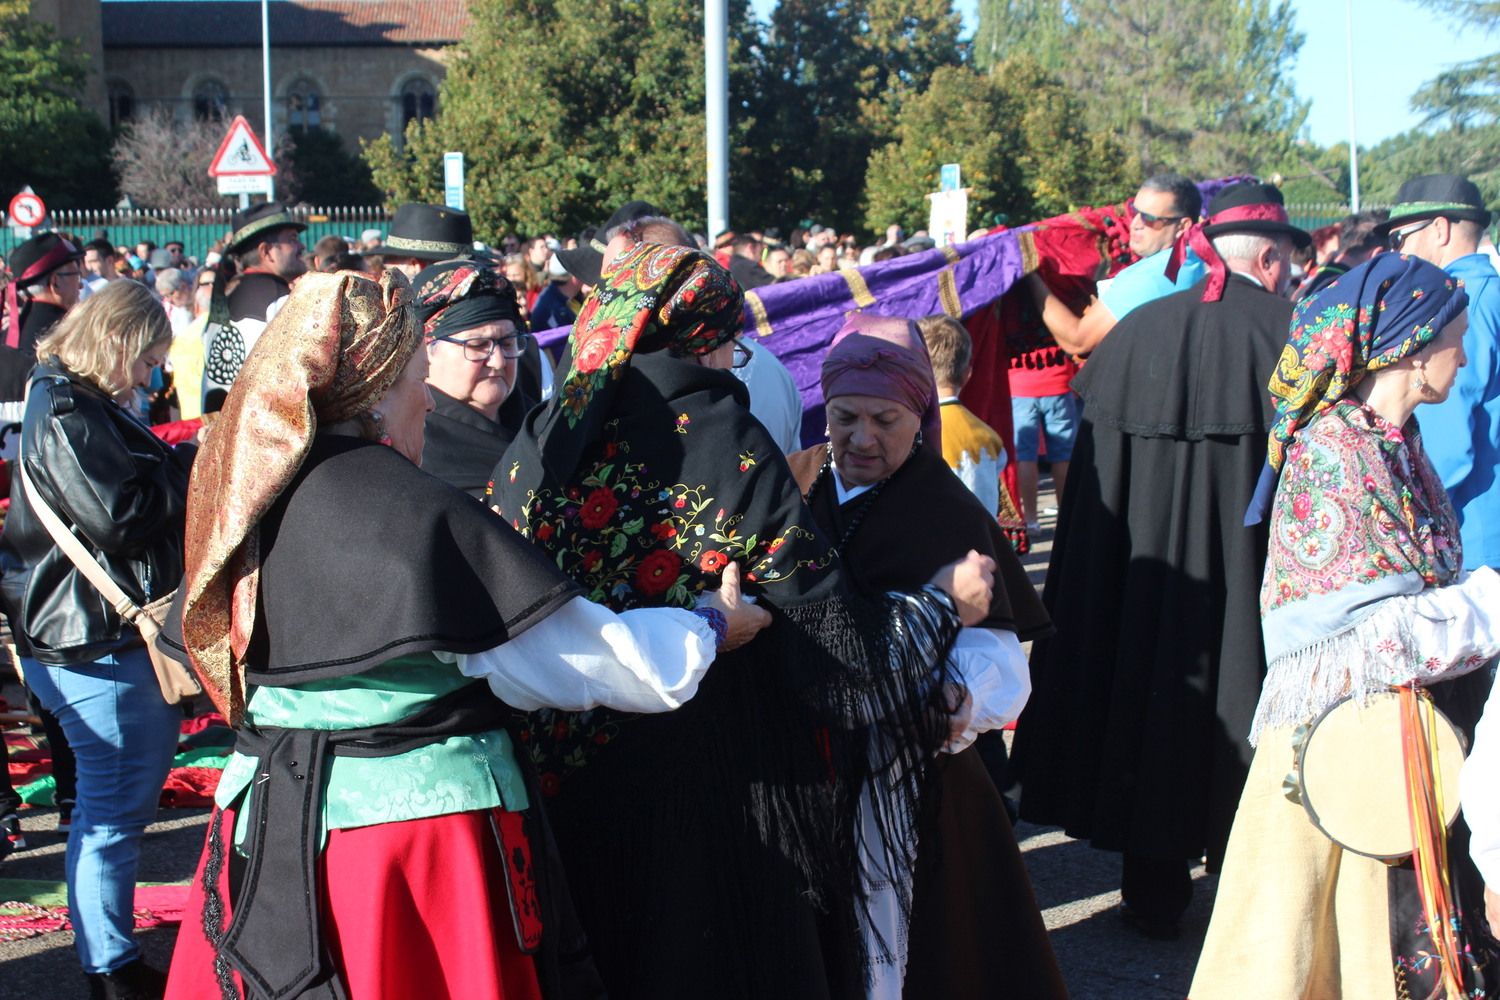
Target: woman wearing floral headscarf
{"points": [[1363, 591], [714, 851], [375, 837]]}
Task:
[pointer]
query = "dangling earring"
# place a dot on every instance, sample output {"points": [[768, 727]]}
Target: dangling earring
{"points": [[1419, 381]]}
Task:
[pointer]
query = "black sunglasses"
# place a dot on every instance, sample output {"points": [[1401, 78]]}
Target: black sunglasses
{"points": [[1399, 236]]}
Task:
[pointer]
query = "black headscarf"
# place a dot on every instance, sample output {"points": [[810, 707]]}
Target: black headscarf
{"points": [[459, 295]]}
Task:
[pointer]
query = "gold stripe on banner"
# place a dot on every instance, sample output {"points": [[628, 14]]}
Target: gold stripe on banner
{"points": [[1029, 258], [948, 293], [858, 288], [950, 253], [758, 310]]}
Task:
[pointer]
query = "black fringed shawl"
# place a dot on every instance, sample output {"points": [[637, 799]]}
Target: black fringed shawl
{"points": [[682, 480]]}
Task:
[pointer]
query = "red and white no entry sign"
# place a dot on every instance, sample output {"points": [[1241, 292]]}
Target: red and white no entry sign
{"points": [[27, 210]]}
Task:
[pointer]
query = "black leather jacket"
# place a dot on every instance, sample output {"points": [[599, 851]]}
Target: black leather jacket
{"points": [[123, 492]]}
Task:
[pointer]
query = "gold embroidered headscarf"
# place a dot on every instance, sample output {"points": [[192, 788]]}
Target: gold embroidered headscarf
{"points": [[332, 351]]}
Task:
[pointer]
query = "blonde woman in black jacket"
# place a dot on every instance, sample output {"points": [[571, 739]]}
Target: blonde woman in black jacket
{"points": [[122, 492]]}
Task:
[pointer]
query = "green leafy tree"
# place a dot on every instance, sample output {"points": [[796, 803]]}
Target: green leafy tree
{"points": [[326, 173], [1202, 88], [1035, 28], [829, 84], [1018, 134], [49, 139], [564, 110]]}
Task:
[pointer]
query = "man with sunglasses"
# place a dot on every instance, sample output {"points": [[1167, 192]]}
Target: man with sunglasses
{"points": [[1441, 218], [1163, 209]]}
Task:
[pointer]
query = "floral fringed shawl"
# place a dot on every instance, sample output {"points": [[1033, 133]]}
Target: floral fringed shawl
{"points": [[1364, 547]]}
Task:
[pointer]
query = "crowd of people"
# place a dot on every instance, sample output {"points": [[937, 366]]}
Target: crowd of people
{"points": [[579, 675]]}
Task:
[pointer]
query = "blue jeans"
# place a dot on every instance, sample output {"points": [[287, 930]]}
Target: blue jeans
{"points": [[124, 736], [1055, 416]]}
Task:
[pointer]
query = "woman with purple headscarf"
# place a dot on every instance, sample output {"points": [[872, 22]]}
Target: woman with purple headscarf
{"points": [[963, 918], [716, 851]]}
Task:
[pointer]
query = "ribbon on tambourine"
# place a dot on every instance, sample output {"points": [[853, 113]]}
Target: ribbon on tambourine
{"points": [[1195, 237]]}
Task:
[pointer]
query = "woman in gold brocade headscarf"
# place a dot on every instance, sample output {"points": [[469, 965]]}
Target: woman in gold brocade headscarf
{"points": [[344, 609]]}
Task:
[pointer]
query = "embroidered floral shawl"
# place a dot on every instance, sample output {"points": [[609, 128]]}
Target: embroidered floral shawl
{"points": [[1359, 517]]}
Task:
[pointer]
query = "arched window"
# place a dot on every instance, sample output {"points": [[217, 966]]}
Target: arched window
{"points": [[210, 100], [121, 103], [418, 101], [304, 105]]}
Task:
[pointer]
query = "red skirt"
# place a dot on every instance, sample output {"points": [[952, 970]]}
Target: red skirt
{"points": [[419, 908]]}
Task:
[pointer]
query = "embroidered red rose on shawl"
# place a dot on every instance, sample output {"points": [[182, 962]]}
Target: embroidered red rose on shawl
{"points": [[712, 562], [657, 572], [598, 508]]}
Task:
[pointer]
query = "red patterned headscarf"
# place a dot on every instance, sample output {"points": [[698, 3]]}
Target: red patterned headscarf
{"points": [[329, 355]]}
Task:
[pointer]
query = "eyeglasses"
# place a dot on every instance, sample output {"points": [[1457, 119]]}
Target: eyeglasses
{"points": [[1157, 221], [480, 348], [1398, 237], [742, 354]]}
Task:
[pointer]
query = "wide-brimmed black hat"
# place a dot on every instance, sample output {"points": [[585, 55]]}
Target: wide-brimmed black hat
{"points": [[429, 232], [1433, 195], [40, 256], [1248, 207], [257, 221], [586, 260]]}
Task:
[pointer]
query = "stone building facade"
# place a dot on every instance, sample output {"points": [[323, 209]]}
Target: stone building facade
{"points": [[359, 68]]}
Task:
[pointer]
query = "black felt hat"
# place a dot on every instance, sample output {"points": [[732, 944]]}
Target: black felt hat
{"points": [[586, 260], [1433, 195], [1249, 207], [256, 222], [40, 256], [430, 232]]}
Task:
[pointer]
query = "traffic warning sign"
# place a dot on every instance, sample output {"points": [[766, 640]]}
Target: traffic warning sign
{"points": [[241, 154]]}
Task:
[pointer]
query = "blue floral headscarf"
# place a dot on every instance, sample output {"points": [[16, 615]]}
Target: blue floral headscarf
{"points": [[1385, 309]]}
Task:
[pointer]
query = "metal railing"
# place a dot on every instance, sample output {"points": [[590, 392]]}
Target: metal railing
{"points": [[197, 228]]}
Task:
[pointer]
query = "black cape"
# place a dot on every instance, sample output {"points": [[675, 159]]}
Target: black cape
{"points": [[974, 922], [1135, 735], [711, 848], [463, 445], [365, 558]]}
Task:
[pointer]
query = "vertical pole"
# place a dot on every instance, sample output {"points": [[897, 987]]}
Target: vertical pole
{"points": [[716, 94], [1349, 83], [265, 63]]}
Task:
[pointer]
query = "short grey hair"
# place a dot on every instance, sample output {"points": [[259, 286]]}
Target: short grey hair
{"points": [[169, 279], [1246, 246], [653, 229]]}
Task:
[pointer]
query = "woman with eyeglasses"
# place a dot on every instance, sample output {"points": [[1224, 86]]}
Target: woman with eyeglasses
{"points": [[475, 334]]}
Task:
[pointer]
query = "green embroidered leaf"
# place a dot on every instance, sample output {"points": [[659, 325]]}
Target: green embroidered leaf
{"points": [[634, 527], [618, 545]]}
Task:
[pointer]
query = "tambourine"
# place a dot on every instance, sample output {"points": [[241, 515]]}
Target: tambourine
{"points": [[1352, 779]]}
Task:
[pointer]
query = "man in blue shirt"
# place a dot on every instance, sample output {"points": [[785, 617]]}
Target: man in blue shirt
{"points": [[1164, 208], [1441, 218]]}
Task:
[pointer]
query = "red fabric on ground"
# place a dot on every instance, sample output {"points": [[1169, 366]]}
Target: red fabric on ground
{"points": [[190, 787], [413, 909], [198, 723]]}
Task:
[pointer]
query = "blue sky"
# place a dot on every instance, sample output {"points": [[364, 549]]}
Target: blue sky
{"points": [[1402, 44]]}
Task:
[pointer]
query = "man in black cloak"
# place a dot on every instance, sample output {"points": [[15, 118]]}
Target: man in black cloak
{"points": [[1135, 735]]}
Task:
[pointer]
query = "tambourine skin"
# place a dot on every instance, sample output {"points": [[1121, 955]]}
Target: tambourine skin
{"points": [[1352, 778]]}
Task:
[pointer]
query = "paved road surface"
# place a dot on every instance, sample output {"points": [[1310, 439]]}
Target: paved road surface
{"points": [[1077, 889]]}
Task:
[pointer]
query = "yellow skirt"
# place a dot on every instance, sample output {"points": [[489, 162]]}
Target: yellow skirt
{"points": [[1296, 917]]}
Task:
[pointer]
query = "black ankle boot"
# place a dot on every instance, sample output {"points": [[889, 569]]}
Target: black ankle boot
{"points": [[133, 981]]}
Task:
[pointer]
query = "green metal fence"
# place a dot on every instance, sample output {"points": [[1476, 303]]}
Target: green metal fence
{"points": [[198, 229]]}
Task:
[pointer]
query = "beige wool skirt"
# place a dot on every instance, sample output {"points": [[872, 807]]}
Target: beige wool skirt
{"points": [[1296, 917]]}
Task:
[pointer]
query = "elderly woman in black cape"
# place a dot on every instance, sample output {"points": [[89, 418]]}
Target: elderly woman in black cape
{"points": [[475, 337], [714, 851], [374, 836], [881, 488]]}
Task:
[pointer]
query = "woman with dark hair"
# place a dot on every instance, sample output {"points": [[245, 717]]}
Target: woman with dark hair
{"points": [[1364, 591], [375, 836], [974, 923], [122, 492], [716, 850]]}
